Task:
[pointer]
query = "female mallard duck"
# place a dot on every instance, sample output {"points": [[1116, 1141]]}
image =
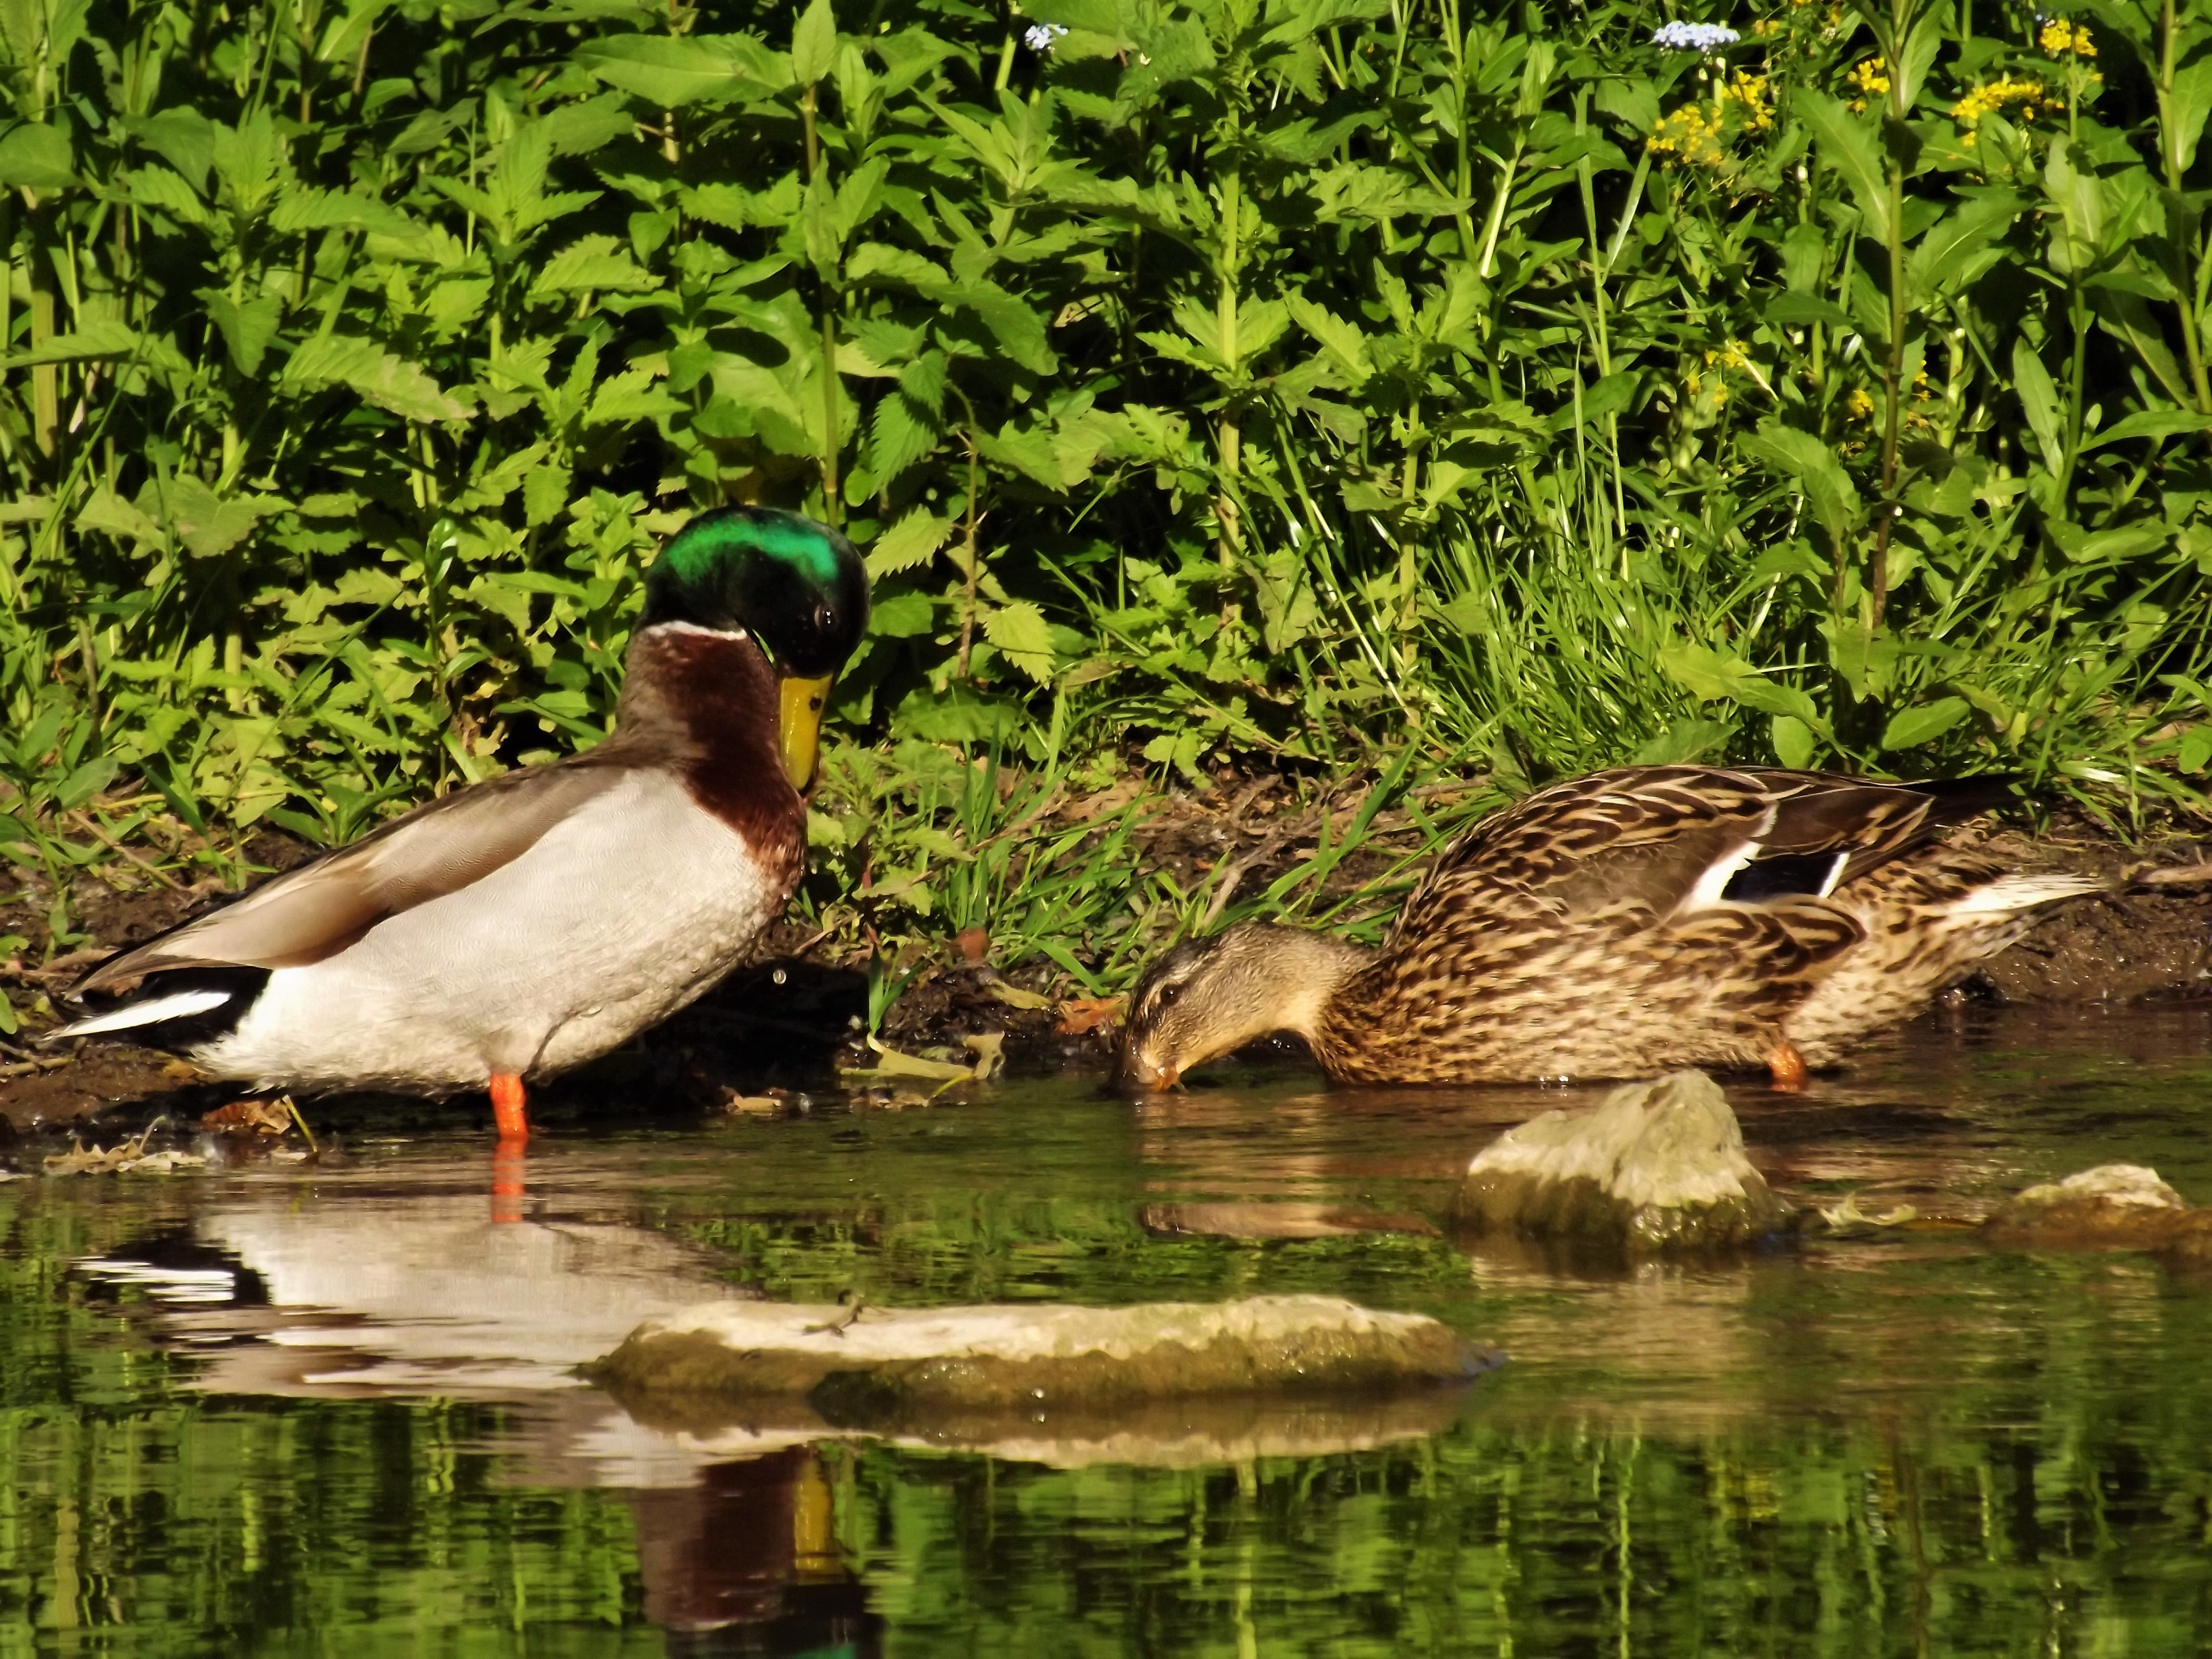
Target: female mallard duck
{"points": [[523, 925], [1620, 925]]}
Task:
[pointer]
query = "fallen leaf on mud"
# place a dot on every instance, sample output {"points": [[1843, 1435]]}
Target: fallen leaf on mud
{"points": [[895, 1068], [124, 1158], [1014, 997], [989, 1048], [752, 1105], [249, 1116], [1082, 811], [1847, 1217], [1088, 1014]]}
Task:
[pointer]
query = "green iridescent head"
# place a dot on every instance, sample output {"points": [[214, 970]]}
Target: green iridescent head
{"points": [[797, 587]]}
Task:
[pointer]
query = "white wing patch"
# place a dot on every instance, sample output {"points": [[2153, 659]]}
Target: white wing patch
{"points": [[176, 1005], [2016, 893], [1714, 882]]}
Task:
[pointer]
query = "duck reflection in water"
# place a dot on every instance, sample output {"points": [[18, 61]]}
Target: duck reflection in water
{"points": [[746, 1560]]}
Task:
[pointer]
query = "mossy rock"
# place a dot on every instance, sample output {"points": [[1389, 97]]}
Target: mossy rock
{"points": [[1653, 1167], [885, 1370]]}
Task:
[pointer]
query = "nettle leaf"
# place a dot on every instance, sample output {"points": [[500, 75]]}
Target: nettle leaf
{"points": [[859, 194], [302, 208], [814, 43], [1019, 631], [1029, 452], [108, 513], [670, 71], [183, 138], [249, 160], [582, 128], [592, 262], [247, 325], [900, 434], [727, 205], [388, 381], [545, 494], [913, 541], [454, 302], [107, 339], [924, 380], [36, 156], [872, 260], [752, 401], [165, 192], [1351, 191], [210, 525], [1346, 346], [901, 616], [627, 396], [430, 129], [501, 479]]}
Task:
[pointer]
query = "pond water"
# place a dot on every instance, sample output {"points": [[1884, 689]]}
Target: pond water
{"points": [[285, 1409]]}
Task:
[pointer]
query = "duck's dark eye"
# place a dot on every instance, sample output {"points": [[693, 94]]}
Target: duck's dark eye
{"points": [[825, 617], [1167, 996]]}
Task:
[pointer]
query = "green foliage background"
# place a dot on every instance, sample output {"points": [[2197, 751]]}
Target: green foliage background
{"points": [[1235, 378]]}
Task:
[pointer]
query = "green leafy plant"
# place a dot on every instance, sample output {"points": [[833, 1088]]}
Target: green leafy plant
{"points": [[1211, 383]]}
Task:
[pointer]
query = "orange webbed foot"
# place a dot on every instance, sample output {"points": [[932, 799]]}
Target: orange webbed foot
{"points": [[506, 1111], [506, 1099], [1787, 1067]]}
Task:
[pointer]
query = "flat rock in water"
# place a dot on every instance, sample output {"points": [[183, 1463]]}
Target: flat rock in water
{"points": [[1182, 1433], [2113, 1205], [1653, 1166], [880, 1368]]}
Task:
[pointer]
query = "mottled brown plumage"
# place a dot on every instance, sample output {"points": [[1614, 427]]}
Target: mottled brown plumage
{"points": [[1623, 924]]}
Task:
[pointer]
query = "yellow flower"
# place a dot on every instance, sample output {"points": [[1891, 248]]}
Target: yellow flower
{"points": [[1869, 80], [1859, 405], [1751, 92], [2030, 97], [2060, 38], [1731, 355], [1689, 135]]}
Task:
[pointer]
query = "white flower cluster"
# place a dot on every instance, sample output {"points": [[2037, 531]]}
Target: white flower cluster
{"points": [[1039, 37], [1694, 37]]}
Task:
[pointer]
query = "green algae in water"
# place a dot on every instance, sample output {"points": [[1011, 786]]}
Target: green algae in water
{"points": [[1907, 1444]]}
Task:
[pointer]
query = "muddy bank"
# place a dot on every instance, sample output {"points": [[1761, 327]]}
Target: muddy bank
{"points": [[782, 1028]]}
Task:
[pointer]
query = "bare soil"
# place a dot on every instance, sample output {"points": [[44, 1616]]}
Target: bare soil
{"points": [[781, 1027]]}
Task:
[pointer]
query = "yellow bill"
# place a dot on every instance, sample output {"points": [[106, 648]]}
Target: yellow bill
{"points": [[800, 728]]}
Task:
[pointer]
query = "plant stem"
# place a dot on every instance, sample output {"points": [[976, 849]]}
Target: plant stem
{"points": [[2169, 150], [974, 561], [46, 377], [833, 503], [1232, 437], [1892, 373]]}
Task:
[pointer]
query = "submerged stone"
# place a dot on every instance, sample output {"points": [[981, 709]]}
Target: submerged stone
{"points": [[1653, 1166], [2113, 1205], [882, 1368]]}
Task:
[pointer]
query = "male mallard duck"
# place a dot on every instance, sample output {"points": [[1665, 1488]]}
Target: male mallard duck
{"points": [[525, 924], [1620, 924]]}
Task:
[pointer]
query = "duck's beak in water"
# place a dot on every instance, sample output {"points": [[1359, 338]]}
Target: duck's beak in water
{"points": [[1141, 1074]]}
